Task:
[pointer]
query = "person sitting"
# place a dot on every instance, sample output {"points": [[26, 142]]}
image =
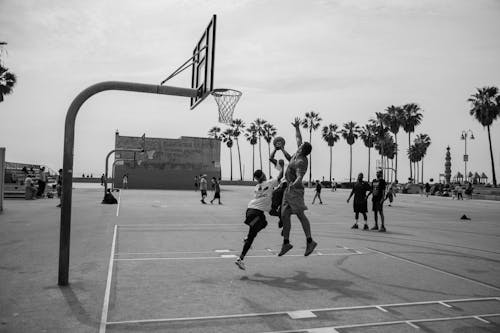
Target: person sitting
{"points": [[109, 198]]}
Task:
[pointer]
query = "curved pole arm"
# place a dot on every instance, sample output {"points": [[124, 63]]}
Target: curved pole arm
{"points": [[69, 138]]}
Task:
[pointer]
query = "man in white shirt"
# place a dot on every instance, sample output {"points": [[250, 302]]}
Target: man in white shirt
{"points": [[255, 218]]}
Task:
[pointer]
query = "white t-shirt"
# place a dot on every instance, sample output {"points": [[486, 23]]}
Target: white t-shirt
{"points": [[262, 195]]}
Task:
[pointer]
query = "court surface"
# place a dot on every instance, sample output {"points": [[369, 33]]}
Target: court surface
{"points": [[160, 261], [172, 268]]}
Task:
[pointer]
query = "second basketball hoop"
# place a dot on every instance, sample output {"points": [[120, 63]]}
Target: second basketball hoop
{"points": [[226, 100]]}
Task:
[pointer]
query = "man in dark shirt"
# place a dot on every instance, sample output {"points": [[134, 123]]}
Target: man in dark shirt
{"points": [[318, 193], [378, 196], [359, 190]]}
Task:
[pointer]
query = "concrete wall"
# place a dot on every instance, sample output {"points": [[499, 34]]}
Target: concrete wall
{"points": [[167, 163]]}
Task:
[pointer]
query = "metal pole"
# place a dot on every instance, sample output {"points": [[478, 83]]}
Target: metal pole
{"points": [[113, 170], [465, 158], [107, 162], [69, 140]]}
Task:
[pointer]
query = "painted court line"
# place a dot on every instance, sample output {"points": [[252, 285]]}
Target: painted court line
{"points": [[262, 314], [435, 269], [216, 251], [412, 323], [233, 256], [238, 224], [118, 206], [105, 306]]}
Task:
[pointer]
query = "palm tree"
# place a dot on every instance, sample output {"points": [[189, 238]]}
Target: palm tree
{"points": [[394, 123], [312, 122], [486, 108], [214, 133], [331, 136], [7, 81], [259, 124], [368, 136], [237, 126], [411, 118], [251, 135], [413, 156], [227, 137], [269, 132], [423, 141], [350, 133]]}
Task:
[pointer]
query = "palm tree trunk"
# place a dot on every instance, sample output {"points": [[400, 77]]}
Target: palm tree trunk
{"points": [[492, 161], [310, 157], [422, 170], [409, 144], [396, 170], [253, 161], [231, 161], [269, 154], [330, 179], [369, 160], [350, 164], [392, 170], [239, 157], [260, 154]]}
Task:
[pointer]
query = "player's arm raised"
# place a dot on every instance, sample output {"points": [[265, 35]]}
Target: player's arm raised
{"points": [[272, 159], [281, 166], [298, 136]]}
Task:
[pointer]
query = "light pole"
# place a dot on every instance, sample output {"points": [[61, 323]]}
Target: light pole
{"points": [[466, 134]]}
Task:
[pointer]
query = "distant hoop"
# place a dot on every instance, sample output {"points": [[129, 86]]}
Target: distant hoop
{"points": [[226, 100]]}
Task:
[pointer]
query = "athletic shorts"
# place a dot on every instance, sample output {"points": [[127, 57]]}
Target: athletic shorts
{"points": [[257, 217], [203, 192], [217, 195], [377, 205]]}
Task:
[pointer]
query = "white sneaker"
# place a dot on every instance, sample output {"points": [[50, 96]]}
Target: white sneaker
{"points": [[240, 264]]}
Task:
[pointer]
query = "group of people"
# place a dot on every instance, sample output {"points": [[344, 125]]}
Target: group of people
{"points": [[32, 190], [287, 193], [200, 183], [360, 205]]}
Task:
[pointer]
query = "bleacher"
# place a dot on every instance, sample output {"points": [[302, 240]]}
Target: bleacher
{"points": [[14, 179]]}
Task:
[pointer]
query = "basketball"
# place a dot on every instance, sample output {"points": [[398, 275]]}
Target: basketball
{"points": [[278, 142]]}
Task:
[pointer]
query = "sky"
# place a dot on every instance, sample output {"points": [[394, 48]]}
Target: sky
{"points": [[343, 59]]}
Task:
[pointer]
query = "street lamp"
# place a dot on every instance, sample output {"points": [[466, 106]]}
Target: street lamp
{"points": [[466, 134]]}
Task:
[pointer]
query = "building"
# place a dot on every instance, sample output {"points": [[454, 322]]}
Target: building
{"points": [[166, 163]]}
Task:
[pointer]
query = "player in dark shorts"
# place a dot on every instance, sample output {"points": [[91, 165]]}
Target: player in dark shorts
{"points": [[255, 218], [378, 196], [360, 204], [216, 190], [318, 193], [293, 198]]}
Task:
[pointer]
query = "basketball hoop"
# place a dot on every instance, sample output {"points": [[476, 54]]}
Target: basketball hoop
{"points": [[226, 100]]}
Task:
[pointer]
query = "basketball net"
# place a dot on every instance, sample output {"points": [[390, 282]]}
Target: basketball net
{"points": [[226, 100]]}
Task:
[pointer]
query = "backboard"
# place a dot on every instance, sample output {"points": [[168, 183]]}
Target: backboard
{"points": [[202, 78]]}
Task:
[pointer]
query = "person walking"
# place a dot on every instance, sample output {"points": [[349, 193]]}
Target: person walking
{"points": [[42, 182], [360, 204], [216, 190], [125, 181], [203, 188], [318, 193], [334, 185], [196, 185]]}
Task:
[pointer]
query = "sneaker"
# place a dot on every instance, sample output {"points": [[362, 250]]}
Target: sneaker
{"points": [[374, 228], [355, 226], [310, 247], [58, 205], [382, 229], [240, 264], [203, 202], [365, 227], [285, 248]]}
